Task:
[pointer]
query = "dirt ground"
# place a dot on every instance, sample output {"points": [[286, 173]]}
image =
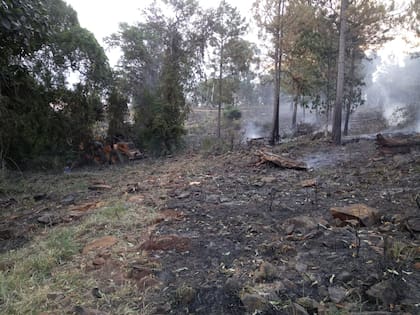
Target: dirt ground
{"points": [[206, 234]]}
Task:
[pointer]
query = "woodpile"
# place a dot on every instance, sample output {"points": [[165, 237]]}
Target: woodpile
{"points": [[99, 152]]}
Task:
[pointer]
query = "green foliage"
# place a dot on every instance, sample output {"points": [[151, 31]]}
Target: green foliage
{"points": [[41, 44], [159, 56], [117, 111], [232, 113]]}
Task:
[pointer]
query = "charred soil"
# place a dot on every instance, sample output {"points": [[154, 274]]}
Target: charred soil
{"points": [[229, 235]]}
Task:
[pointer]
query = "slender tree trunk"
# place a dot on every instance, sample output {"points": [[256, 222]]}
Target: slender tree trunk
{"points": [[219, 107], [329, 79], [275, 132], [294, 117], [350, 100], [347, 118], [336, 132]]}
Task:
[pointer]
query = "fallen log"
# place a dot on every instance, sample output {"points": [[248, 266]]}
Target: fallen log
{"points": [[388, 142], [280, 161]]}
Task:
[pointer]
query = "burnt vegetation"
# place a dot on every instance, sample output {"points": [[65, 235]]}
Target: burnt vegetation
{"points": [[206, 173]]}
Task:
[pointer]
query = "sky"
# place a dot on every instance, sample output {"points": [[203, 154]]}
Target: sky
{"points": [[102, 18]]}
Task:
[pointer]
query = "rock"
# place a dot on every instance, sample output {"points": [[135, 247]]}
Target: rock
{"points": [[301, 224], [233, 286], [413, 224], [69, 199], [308, 303], [98, 261], [254, 303], [385, 291], [100, 243], [337, 294], [344, 276], [366, 215], [296, 309], [266, 272], [49, 219]]}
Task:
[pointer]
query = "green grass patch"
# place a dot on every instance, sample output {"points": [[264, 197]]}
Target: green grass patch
{"points": [[24, 286]]}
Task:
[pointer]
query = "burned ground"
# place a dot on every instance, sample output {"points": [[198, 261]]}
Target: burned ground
{"points": [[197, 234]]}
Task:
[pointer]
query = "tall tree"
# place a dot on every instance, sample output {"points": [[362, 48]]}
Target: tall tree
{"points": [[336, 132], [227, 28], [160, 55], [269, 15], [41, 44]]}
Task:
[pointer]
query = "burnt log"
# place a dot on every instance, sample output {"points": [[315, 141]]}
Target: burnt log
{"points": [[397, 142], [280, 161]]}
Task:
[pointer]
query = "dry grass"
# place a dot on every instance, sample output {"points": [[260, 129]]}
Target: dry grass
{"points": [[49, 273]]}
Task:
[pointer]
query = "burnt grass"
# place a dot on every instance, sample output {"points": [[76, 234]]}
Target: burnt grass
{"points": [[250, 239]]}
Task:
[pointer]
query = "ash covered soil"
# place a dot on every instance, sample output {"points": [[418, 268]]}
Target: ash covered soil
{"points": [[234, 237]]}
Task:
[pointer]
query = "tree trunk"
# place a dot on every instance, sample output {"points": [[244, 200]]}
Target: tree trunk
{"points": [[294, 117], [350, 100], [329, 83], [336, 132], [219, 107], [275, 133], [346, 121]]}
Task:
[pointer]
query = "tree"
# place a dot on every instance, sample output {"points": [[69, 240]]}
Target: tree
{"points": [[336, 132], [157, 66], [303, 59], [41, 44], [117, 111], [272, 22], [230, 51]]}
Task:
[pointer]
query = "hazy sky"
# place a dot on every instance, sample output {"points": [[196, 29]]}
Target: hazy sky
{"points": [[102, 17]]}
